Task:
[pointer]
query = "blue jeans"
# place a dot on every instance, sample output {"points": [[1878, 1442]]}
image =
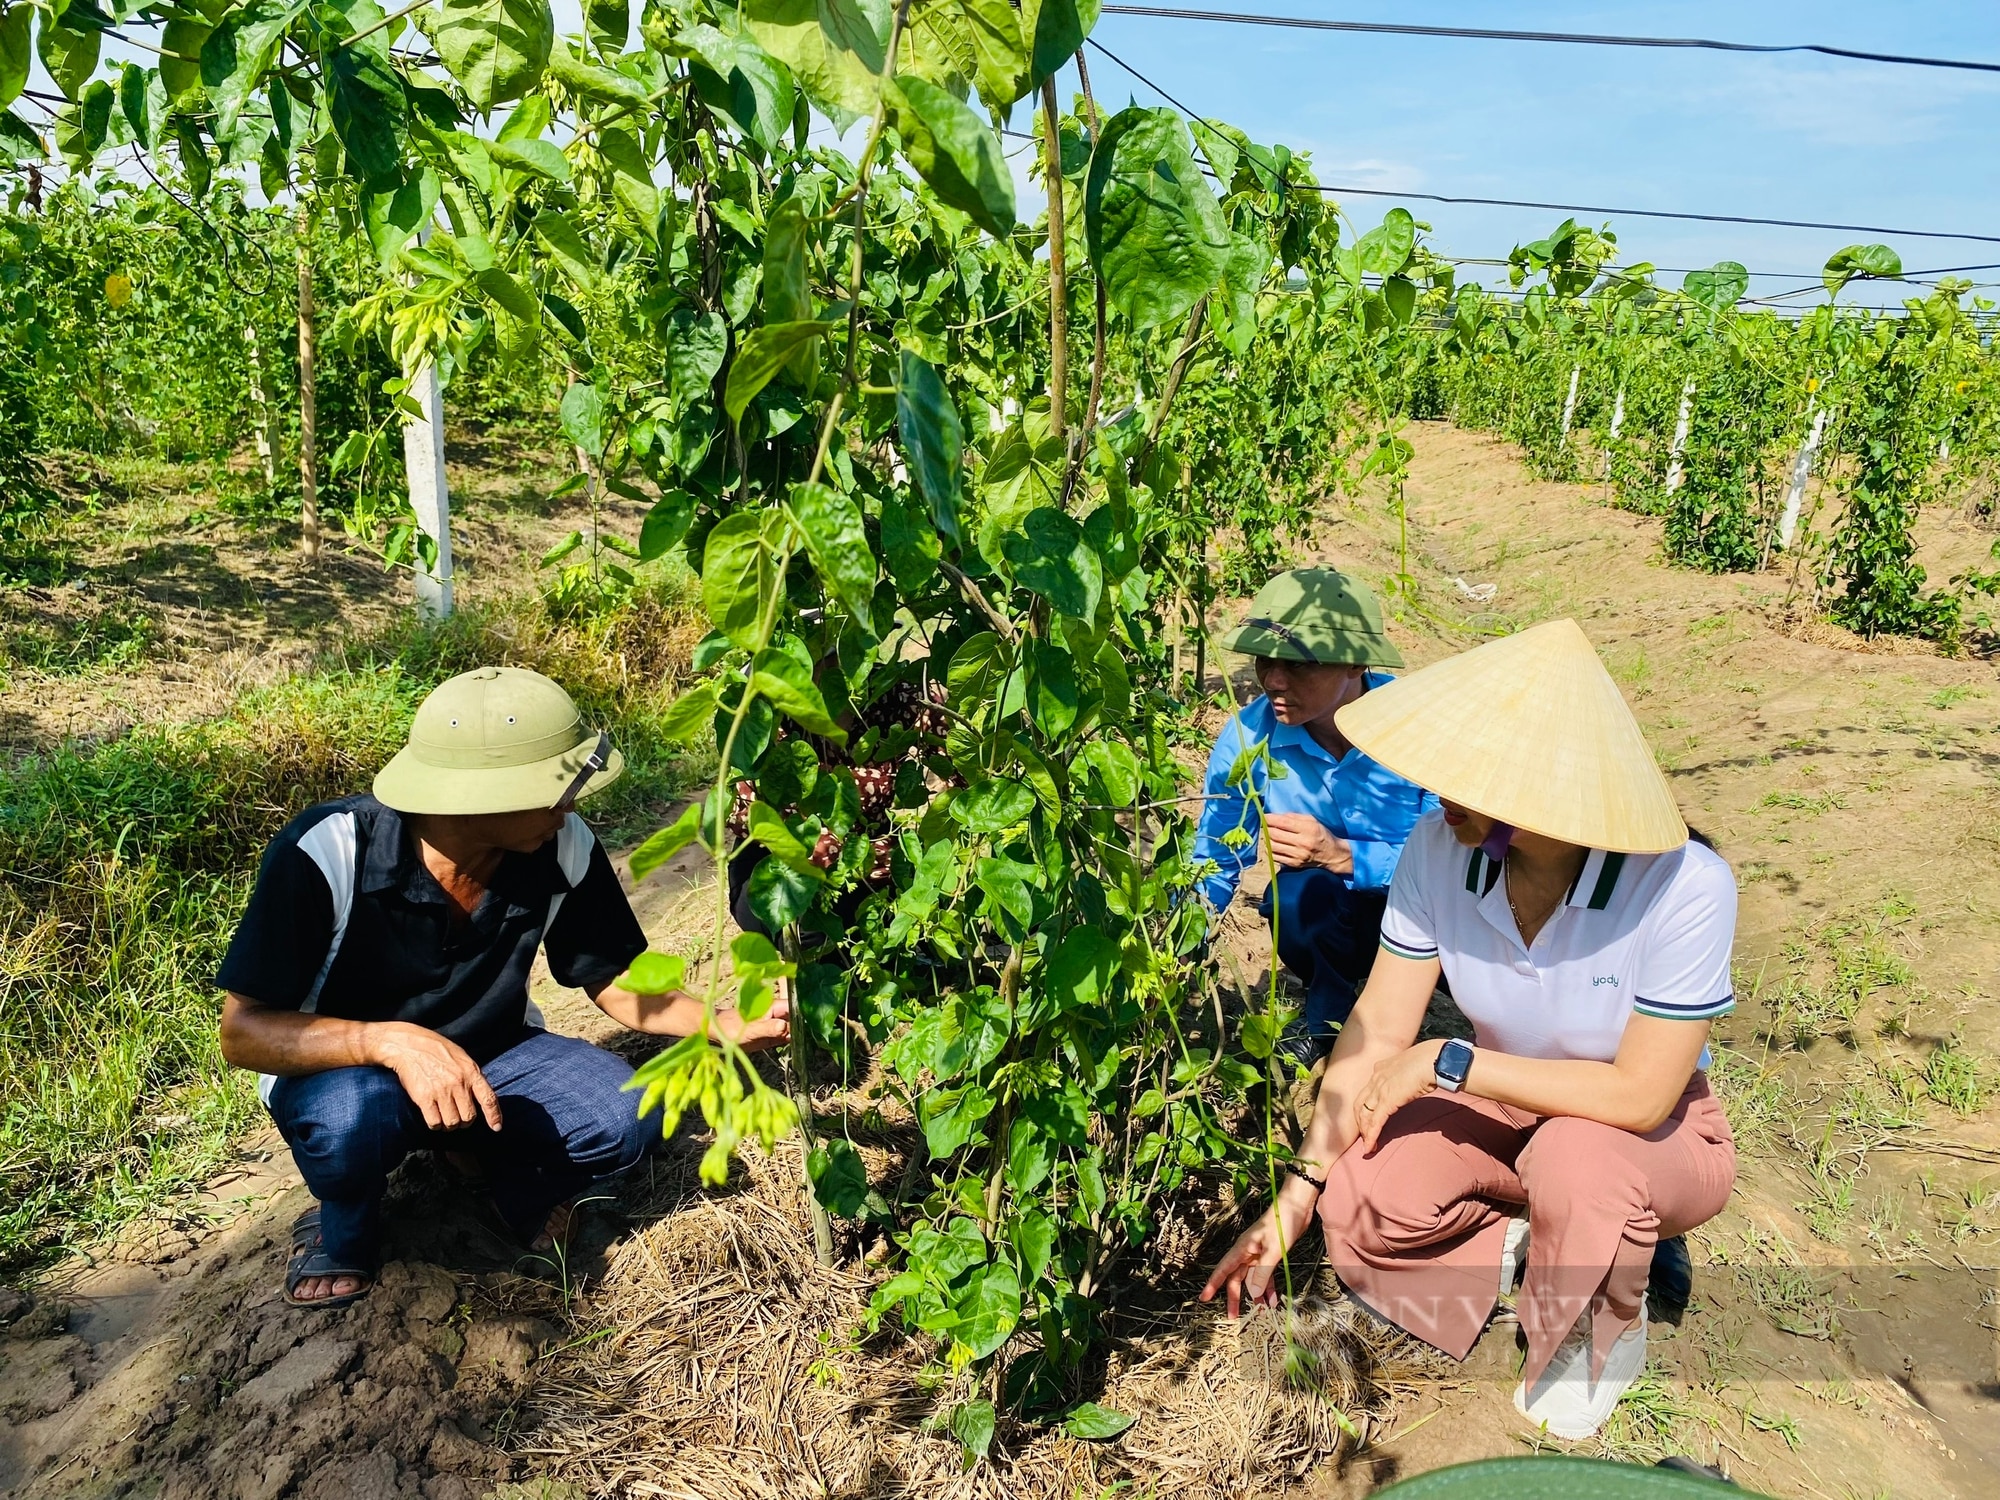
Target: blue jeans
{"points": [[566, 1123], [1327, 934]]}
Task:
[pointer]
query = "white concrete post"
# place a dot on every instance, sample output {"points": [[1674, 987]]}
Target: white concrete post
{"points": [[1569, 405], [1802, 467], [430, 497], [1675, 473], [1617, 421], [260, 406]]}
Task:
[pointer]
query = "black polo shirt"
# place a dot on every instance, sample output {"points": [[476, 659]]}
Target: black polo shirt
{"points": [[347, 921]]}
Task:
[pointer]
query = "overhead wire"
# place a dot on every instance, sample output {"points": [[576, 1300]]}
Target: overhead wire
{"points": [[1921, 277], [1660, 213], [1569, 38], [1573, 208]]}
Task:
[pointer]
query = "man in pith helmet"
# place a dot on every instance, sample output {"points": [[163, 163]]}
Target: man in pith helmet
{"points": [[1333, 820], [379, 978]]}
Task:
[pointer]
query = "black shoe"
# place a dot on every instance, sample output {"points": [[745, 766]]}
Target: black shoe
{"points": [[1303, 1047], [1681, 1464], [1671, 1283]]}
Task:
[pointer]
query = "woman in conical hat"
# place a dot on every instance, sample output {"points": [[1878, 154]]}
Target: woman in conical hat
{"points": [[1588, 941]]}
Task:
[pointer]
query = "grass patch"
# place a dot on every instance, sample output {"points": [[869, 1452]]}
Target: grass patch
{"points": [[1955, 1079], [124, 866], [1802, 802], [1651, 1420], [1795, 1299], [1754, 1095], [107, 642], [1829, 980]]}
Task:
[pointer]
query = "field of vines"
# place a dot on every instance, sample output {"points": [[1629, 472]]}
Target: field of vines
{"points": [[767, 271]]}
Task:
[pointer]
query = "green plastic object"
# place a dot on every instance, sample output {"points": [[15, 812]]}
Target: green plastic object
{"points": [[1558, 1479]]}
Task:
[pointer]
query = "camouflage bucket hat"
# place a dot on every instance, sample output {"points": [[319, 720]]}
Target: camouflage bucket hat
{"points": [[1316, 615]]}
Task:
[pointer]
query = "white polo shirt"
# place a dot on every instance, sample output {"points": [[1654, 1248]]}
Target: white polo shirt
{"points": [[1644, 932]]}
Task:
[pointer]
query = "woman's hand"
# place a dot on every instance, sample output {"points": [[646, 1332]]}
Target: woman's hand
{"points": [[1409, 1075], [1246, 1270], [772, 1029], [1299, 841]]}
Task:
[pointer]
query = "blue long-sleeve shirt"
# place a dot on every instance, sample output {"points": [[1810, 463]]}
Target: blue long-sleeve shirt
{"points": [[1353, 797]]}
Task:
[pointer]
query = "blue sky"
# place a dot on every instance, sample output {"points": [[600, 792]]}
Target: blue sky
{"points": [[1793, 136]]}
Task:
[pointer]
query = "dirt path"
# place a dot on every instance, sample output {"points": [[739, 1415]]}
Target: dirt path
{"points": [[1840, 1346]]}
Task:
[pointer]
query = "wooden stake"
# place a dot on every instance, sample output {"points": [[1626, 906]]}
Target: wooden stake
{"points": [[1200, 653], [1569, 405]]}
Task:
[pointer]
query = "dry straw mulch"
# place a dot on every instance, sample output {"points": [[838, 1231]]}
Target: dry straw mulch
{"points": [[716, 1359]]}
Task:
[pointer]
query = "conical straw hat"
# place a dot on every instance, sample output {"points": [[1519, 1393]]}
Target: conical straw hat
{"points": [[1531, 730]]}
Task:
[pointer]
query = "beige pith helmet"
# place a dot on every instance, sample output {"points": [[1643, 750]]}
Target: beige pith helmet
{"points": [[1531, 730], [495, 740]]}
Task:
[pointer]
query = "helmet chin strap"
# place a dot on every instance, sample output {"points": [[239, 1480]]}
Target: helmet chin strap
{"points": [[1496, 843]]}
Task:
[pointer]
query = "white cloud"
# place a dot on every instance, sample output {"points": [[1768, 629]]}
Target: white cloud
{"points": [[1370, 172], [1851, 106]]}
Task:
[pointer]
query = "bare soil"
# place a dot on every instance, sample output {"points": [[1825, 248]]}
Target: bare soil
{"points": [[1842, 1340], [166, 600]]}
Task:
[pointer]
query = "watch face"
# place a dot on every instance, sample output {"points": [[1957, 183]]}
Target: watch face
{"points": [[1454, 1061]]}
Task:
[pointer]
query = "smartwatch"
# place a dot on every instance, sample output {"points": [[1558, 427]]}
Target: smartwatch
{"points": [[1454, 1061]]}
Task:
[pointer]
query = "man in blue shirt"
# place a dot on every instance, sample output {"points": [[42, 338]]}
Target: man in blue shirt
{"points": [[1334, 821]]}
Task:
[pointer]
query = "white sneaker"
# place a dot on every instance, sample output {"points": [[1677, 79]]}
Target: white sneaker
{"points": [[1565, 1401], [1513, 1254]]}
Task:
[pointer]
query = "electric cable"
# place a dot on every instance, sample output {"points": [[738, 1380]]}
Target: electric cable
{"points": [[1577, 208], [1572, 38], [1661, 213]]}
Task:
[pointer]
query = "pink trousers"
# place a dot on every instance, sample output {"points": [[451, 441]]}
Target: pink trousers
{"points": [[1415, 1231]]}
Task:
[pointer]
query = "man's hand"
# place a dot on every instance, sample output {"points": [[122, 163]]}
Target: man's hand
{"points": [[1299, 841], [1398, 1080], [1245, 1272], [437, 1074]]}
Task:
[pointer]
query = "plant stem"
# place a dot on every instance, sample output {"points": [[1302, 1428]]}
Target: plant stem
{"points": [[1010, 987], [1080, 450], [1058, 278], [799, 1065], [1175, 374], [978, 600]]}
